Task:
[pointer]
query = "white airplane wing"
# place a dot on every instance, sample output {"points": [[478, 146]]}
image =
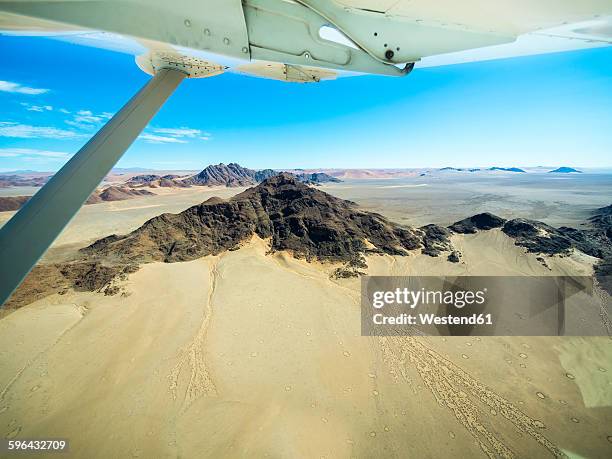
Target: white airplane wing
{"points": [[313, 40]]}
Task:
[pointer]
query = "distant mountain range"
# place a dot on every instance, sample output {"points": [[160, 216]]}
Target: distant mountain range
{"points": [[234, 175], [560, 170], [506, 169], [459, 169], [494, 168], [19, 180], [565, 170]]}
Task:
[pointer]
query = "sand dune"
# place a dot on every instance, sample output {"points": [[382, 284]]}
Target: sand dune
{"points": [[251, 355]]}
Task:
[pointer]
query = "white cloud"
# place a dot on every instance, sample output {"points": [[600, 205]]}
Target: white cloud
{"points": [[63, 110], [85, 116], [86, 119], [178, 132], [9, 86], [151, 138], [31, 153], [37, 108], [174, 135], [25, 131]]}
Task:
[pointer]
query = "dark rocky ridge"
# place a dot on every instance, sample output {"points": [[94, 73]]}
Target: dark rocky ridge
{"points": [[596, 240], [436, 240], [264, 174], [484, 221], [298, 218], [540, 238]]}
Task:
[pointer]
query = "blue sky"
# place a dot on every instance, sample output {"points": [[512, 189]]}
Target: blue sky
{"points": [[542, 110]]}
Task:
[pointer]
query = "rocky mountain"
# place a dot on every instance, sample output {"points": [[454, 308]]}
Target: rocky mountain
{"points": [[157, 181], [317, 178], [565, 170], [116, 193], [470, 225], [264, 174], [231, 174], [12, 202], [506, 169], [234, 175], [298, 218]]}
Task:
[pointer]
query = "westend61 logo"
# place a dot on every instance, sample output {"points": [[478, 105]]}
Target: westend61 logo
{"points": [[481, 305]]}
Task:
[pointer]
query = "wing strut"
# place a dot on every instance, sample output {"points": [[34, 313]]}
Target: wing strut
{"points": [[28, 235]]}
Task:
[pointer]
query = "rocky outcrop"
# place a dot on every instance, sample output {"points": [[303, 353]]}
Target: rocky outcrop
{"points": [[231, 175], [157, 181], [12, 202], [436, 239], [602, 220], [484, 221], [116, 193], [80, 275], [234, 175], [317, 178], [538, 237], [595, 240], [295, 217], [542, 239], [264, 174]]}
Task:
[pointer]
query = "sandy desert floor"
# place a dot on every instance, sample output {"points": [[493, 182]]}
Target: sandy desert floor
{"points": [[252, 355], [248, 355]]}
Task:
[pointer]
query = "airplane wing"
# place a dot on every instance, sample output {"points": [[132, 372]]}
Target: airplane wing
{"points": [[313, 40]]}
